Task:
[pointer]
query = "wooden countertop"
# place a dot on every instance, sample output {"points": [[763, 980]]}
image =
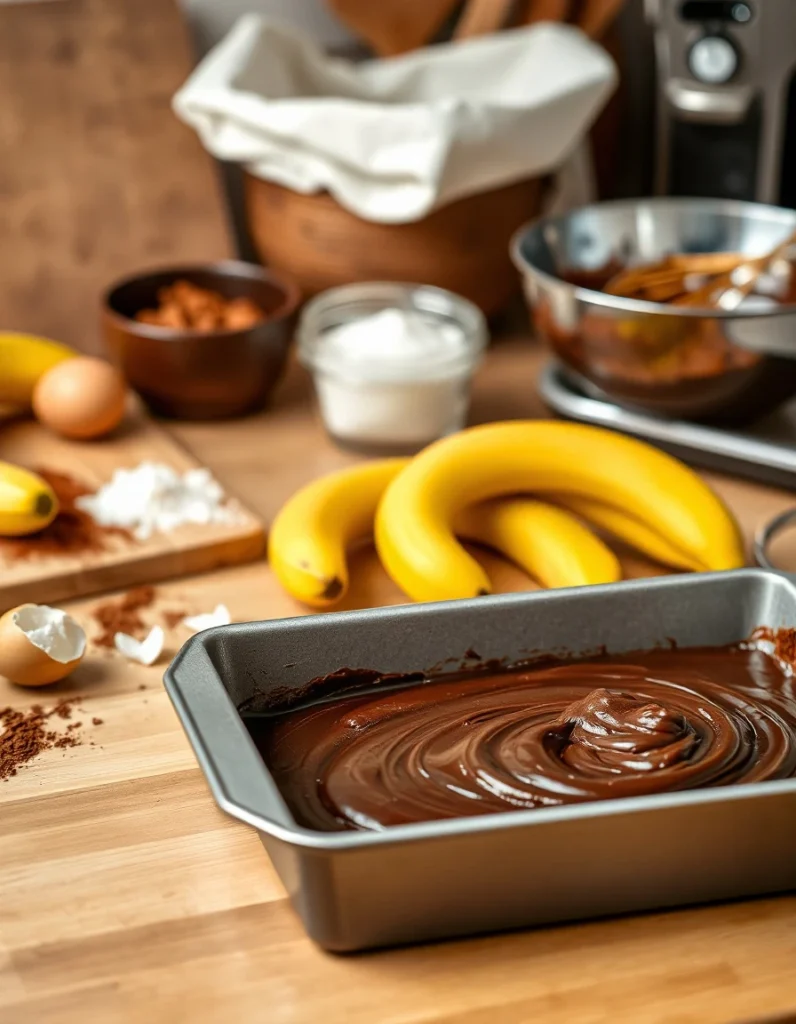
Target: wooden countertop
{"points": [[125, 895]]}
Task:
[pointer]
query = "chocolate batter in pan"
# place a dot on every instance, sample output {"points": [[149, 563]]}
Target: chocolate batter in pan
{"points": [[480, 743]]}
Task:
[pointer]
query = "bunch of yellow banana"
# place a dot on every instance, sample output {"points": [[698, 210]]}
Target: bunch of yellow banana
{"points": [[24, 358], [27, 503], [471, 485]]}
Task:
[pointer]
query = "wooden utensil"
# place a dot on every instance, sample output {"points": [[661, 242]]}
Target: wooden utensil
{"points": [[391, 27], [594, 17], [480, 17], [732, 278], [663, 281], [545, 10], [729, 289]]}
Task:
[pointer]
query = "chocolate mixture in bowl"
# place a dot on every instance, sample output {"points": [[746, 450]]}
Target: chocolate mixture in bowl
{"points": [[645, 350], [519, 739]]}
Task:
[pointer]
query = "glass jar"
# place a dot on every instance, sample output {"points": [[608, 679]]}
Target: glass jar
{"points": [[381, 397]]}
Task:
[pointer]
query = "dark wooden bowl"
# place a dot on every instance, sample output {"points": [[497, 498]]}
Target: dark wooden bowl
{"points": [[463, 246], [194, 375]]}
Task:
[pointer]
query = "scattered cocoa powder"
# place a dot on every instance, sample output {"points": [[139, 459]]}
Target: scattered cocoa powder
{"points": [[97, 721], [123, 615], [26, 734], [71, 532], [172, 619]]}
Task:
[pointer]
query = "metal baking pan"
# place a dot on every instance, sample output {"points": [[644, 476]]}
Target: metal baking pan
{"points": [[766, 451], [355, 890]]}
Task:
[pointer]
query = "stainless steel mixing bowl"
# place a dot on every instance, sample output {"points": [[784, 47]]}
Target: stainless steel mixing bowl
{"points": [[674, 361]]}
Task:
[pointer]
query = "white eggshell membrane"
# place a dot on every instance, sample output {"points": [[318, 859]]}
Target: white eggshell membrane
{"points": [[52, 631]]}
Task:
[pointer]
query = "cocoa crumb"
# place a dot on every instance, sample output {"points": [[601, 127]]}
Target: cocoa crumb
{"points": [[142, 686], [97, 721], [172, 619], [63, 709], [26, 734], [123, 615], [72, 532], [66, 741]]}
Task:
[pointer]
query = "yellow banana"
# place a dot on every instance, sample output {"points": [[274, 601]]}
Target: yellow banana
{"points": [[27, 503], [24, 358], [632, 531], [550, 544], [415, 519], [308, 540]]}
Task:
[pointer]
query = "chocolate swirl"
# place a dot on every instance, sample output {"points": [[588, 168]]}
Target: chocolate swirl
{"points": [[611, 732], [478, 744]]}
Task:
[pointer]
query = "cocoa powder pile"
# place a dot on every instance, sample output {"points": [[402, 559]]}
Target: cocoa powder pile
{"points": [[26, 734], [172, 619], [122, 615], [72, 532]]}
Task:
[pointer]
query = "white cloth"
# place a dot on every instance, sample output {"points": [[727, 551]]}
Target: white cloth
{"points": [[393, 139]]}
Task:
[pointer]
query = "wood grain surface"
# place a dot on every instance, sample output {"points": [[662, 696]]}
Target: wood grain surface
{"points": [[126, 562], [125, 895]]}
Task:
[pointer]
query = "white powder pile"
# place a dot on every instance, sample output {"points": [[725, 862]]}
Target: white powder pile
{"points": [[397, 344], [153, 498], [397, 377]]}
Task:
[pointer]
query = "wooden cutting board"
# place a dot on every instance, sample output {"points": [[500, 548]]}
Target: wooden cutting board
{"points": [[126, 562]]}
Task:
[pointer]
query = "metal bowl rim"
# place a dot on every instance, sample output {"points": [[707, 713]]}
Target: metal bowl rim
{"points": [[619, 304]]}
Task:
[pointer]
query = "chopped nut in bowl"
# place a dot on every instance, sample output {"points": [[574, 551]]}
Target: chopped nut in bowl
{"points": [[184, 306], [202, 342]]}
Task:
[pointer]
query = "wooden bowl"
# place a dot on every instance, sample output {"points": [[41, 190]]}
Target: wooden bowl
{"points": [[193, 375], [463, 247]]}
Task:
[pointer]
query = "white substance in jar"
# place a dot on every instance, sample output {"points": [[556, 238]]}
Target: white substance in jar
{"points": [[395, 378]]}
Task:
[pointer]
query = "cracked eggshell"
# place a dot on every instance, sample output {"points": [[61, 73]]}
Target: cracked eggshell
{"points": [[39, 645]]}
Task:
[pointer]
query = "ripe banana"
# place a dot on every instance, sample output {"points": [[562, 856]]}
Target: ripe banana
{"points": [[308, 539], [27, 503], [550, 544], [632, 531], [24, 358], [415, 519]]}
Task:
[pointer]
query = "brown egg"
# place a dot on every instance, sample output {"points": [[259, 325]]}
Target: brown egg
{"points": [[39, 645], [80, 398]]}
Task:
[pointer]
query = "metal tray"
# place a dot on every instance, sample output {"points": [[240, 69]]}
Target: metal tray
{"points": [[766, 451], [355, 890]]}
